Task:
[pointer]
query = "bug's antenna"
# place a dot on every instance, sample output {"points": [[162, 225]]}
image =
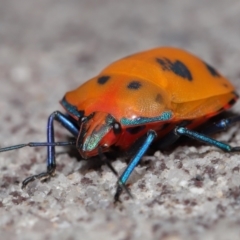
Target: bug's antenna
{"points": [[37, 144], [105, 160]]}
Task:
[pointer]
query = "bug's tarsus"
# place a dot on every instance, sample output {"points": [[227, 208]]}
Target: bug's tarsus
{"points": [[235, 149], [119, 190], [41, 176], [117, 194]]}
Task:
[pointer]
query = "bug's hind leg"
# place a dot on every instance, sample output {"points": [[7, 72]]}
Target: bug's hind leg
{"points": [[182, 131], [68, 123], [211, 128]]}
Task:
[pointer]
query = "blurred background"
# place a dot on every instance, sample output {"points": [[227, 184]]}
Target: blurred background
{"points": [[49, 47]]}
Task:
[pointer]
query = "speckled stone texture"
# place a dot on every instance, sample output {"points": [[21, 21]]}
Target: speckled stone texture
{"points": [[48, 47]]}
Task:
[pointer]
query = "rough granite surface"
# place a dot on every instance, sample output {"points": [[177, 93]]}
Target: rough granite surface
{"points": [[49, 47]]}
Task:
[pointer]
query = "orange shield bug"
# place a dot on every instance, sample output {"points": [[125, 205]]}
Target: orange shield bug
{"points": [[153, 96]]}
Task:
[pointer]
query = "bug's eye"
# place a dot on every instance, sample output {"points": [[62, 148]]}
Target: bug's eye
{"points": [[117, 128]]}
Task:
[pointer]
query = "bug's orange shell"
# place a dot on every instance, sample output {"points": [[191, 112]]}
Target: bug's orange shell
{"points": [[169, 79]]}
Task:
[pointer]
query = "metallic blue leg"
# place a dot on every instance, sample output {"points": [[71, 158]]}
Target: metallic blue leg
{"points": [[67, 122], [135, 160], [182, 131], [212, 128]]}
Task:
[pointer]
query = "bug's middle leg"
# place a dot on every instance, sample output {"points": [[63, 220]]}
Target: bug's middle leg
{"points": [[143, 147]]}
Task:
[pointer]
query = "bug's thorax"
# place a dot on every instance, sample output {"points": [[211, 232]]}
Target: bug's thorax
{"points": [[96, 132]]}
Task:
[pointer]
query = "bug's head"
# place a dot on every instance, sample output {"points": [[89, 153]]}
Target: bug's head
{"points": [[98, 130]]}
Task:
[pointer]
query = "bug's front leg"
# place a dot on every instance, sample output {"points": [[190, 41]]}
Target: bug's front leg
{"points": [[143, 147], [71, 126]]}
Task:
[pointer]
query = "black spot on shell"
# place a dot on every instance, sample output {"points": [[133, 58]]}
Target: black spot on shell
{"points": [[225, 85], [102, 80], [212, 71], [231, 102], [135, 130], [159, 98], [134, 85], [177, 67]]}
